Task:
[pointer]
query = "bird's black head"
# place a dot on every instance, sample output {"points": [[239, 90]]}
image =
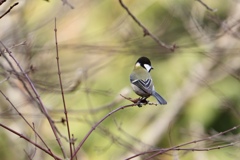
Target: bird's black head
{"points": [[145, 63], [144, 60]]}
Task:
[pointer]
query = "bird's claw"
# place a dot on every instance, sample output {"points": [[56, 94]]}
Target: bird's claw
{"points": [[139, 101], [142, 101]]}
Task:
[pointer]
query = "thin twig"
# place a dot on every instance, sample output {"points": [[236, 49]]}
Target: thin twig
{"points": [[31, 155], [97, 124], [35, 149], [146, 32], [60, 134], [196, 141], [39, 100], [20, 78], [61, 86], [30, 141], [161, 151], [106, 106], [206, 6], [67, 3], [73, 143], [28, 156], [25, 120], [186, 149], [9, 10], [208, 149], [6, 79]]}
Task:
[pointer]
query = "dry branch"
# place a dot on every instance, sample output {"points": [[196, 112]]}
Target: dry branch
{"points": [[15, 4], [146, 32]]}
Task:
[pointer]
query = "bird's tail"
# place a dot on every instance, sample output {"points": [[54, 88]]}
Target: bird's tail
{"points": [[159, 98]]}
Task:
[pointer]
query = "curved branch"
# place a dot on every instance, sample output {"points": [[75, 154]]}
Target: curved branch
{"points": [[146, 32]]}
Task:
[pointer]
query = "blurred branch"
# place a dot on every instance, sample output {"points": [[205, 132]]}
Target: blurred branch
{"points": [[30, 156], [59, 133], [25, 90], [44, 110], [30, 141], [161, 151], [73, 144], [114, 102], [6, 79], [97, 124], [67, 3], [9, 10], [35, 149], [183, 149], [206, 6], [116, 139], [146, 32], [32, 127], [196, 141]]}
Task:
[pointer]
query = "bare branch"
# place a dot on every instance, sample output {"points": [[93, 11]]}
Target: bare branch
{"points": [[43, 108], [30, 141], [9, 10], [206, 6], [186, 149], [67, 3], [196, 141], [35, 149], [161, 151], [146, 32], [28, 156], [73, 143], [61, 86], [32, 127], [97, 124]]}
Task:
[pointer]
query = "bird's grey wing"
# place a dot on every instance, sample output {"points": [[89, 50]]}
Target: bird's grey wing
{"points": [[144, 85]]}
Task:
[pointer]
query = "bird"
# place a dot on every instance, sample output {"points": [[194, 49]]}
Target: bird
{"points": [[141, 80]]}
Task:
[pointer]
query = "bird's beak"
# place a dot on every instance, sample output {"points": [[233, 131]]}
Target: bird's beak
{"points": [[151, 69]]}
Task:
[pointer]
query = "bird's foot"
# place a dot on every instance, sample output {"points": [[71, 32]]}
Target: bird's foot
{"points": [[138, 101], [142, 101]]}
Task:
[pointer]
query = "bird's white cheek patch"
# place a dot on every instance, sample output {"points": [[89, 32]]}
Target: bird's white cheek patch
{"points": [[148, 67]]}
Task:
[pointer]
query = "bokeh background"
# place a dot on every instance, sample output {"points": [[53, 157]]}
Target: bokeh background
{"points": [[98, 45]]}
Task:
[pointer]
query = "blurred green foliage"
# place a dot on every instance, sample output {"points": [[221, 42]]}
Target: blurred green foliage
{"points": [[98, 45]]}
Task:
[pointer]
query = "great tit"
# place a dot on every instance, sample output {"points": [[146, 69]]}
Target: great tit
{"points": [[142, 82]]}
